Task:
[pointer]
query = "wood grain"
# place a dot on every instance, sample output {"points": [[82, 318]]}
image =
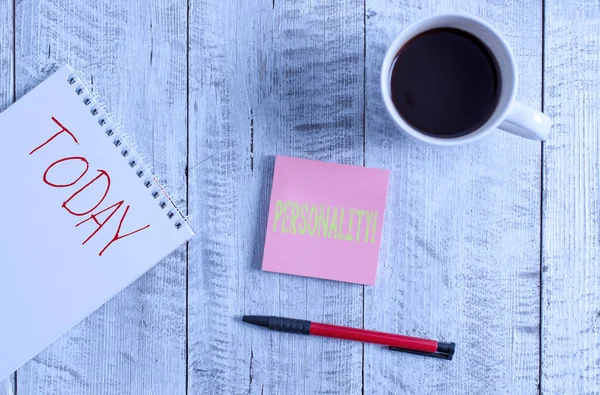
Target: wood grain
{"points": [[460, 253], [134, 56], [7, 386], [460, 259], [266, 78], [571, 221]]}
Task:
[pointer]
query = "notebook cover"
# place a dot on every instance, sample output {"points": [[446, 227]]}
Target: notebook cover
{"points": [[79, 222]]}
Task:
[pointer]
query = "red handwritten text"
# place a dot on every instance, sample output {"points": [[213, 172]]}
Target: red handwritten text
{"points": [[101, 179], [62, 130], [87, 166], [99, 176]]}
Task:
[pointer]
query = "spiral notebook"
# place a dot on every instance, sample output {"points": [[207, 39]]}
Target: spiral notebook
{"points": [[82, 216]]}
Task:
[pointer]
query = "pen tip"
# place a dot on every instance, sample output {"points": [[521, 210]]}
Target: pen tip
{"points": [[256, 320]]}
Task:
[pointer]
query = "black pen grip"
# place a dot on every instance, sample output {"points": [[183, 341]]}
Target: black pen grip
{"points": [[289, 325]]}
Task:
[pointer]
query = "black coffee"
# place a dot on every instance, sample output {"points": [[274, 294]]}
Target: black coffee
{"points": [[445, 82]]}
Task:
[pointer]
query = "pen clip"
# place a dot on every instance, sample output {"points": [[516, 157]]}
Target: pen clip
{"points": [[444, 351]]}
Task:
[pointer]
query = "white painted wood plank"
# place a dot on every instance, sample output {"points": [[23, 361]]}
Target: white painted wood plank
{"points": [[266, 78], [461, 246], [134, 54], [7, 386], [571, 220], [6, 54]]}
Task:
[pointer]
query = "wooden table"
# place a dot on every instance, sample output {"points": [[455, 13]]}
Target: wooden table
{"points": [[492, 245]]}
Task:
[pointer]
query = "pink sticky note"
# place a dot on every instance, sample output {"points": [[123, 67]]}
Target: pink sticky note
{"points": [[325, 220]]}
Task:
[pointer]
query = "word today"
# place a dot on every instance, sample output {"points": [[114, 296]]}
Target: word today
{"points": [[329, 222], [91, 195]]}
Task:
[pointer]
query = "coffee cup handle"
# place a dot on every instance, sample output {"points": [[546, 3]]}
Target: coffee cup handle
{"points": [[526, 122]]}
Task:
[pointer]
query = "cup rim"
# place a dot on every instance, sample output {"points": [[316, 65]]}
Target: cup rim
{"points": [[406, 34]]}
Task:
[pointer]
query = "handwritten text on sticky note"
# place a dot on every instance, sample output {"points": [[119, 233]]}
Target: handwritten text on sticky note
{"points": [[325, 220], [349, 224]]}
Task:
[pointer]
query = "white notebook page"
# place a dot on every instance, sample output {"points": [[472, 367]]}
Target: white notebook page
{"points": [[65, 247]]}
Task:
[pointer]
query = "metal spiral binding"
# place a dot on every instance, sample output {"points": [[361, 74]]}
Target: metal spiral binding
{"points": [[118, 140]]}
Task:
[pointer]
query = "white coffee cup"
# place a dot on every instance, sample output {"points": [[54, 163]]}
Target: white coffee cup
{"points": [[509, 114]]}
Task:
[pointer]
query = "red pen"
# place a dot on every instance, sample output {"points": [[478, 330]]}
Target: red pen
{"points": [[408, 344]]}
